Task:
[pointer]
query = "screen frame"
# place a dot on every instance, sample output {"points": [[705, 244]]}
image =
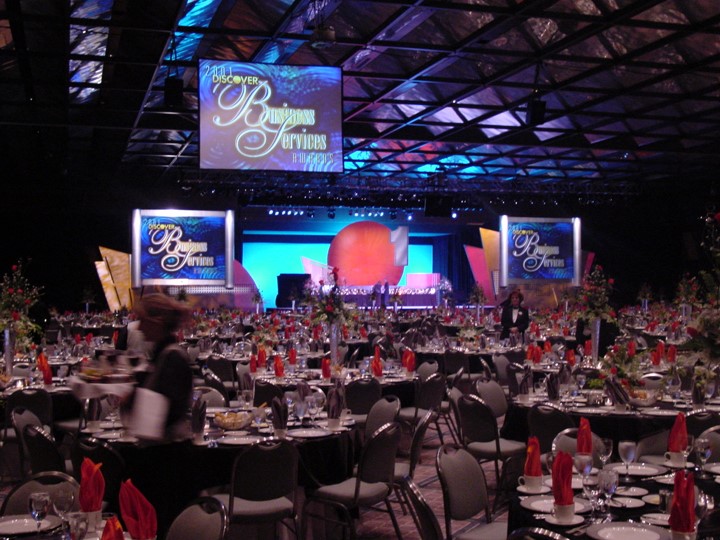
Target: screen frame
{"points": [[505, 222], [135, 258], [338, 169]]}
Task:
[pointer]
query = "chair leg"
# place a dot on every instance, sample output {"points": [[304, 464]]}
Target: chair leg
{"points": [[440, 434], [396, 526]]}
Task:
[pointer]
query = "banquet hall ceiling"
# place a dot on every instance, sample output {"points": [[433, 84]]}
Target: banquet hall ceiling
{"points": [[435, 93]]}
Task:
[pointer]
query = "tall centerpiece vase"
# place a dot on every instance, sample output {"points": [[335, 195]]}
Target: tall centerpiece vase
{"points": [[699, 390], [293, 305], [645, 304], [334, 342], [9, 349], [685, 312], [595, 337]]}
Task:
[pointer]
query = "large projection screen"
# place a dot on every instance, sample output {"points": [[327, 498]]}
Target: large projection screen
{"points": [[267, 117], [183, 247], [539, 250]]}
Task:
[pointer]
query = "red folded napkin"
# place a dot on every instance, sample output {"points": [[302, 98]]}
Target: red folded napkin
{"points": [[44, 367], [262, 357], [654, 358], [325, 368], [682, 512], [316, 332], [278, 366], [529, 352], [537, 355], [631, 348], [562, 471], [678, 439], [587, 348], [376, 366], [292, 356], [660, 348], [565, 331], [532, 458], [345, 331], [92, 486], [78, 339], [570, 357], [584, 437], [253, 363], [88, 338], [363, 332], [115, 336], [137, 513], [410, 363], [113, 530], [547, 346], [287, 333], [376, 354], [671, 353], [405, 356]]}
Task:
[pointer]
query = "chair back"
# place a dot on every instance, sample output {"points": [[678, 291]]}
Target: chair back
{"points": [[244, 377], [267, 470], [16, 502], [20, 417], [426, 369], [377, 461], [352, 360], [492, 393], [463, 485], [113, 465], [37, 400], [653, 381], [383, 411], [213, 381], [361, 394], [566, 441], [513, 369], [417, 440], [205, 518], [477, 421], [713, 434], [43, 453], [454, 395], [545, 421], [222, 367], [211, 396], [700, 420], [431, 392], [265, 391], [501, 364], [427, 523]]}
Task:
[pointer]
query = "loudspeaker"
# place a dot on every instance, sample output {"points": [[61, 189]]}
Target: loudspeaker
{"points": [[535, 112], [173, 92], [290, 284], [438, 206]]}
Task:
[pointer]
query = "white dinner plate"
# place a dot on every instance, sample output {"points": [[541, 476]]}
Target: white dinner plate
{"points": [[25, 525], [545, 504], [662, 520], [589, 410], [239, 441], [309, 433], [659, 412], [638, 469], [576, 520], [576, 482], [652, 498], [623, 531], [108, 424], [626, 502], [109, 435], [713, 468], [669, 465], [537, 491], [630, 491], [669, 480]]}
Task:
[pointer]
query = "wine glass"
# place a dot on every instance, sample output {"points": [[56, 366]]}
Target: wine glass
{"points": [[62, 500], [78, 525], [247, 399], [114, 403], [605, 450], [703, 449], [580, 379], [39, 506], [688, 448], [608, 481], [258, 416], [626, 450], [312, 408], [591, 490], [583, 463], [300, 409]]}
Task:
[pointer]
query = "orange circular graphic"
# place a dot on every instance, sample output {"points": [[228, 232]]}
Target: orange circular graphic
{"points": [[363, 253]]}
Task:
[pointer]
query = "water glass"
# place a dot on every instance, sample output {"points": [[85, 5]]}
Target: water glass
{"points": [[591, 490], [39, 506], [77, 525], [605, 450], [627, 450], [247, 398], [688, 449], [703, 449], [583, 463], [608, 481], [62, 500]]}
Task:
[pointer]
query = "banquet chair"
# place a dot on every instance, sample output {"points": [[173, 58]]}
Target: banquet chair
{"points": [[265, 391], [535, 533], [429, 396], [426, 521], [383, 411], [223, 368], [515, 372], [263, 485], [700, 420], [651, 448], [205, 518], [212, 396], [371, 485], [426, 369], [37, 400], [480, 433], [43, 452], [213, 381], [360, 395], [20, 418], [244, 377], [566, 441], [113, 467], [546, 420], [465, 492], [90, 409], [501, 363], [452, 362], [492, 393], [16, 501], [352, 360], [713, 434]]}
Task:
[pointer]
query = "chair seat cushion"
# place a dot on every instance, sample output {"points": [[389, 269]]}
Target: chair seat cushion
{"points": [[402, 471], [488, 450], [408, 414], [253, 511], [344, 493]]}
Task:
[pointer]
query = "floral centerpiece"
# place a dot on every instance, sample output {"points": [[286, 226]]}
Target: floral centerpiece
{"points": [[705, 333], [330, 308], [687, 290], [625, 367], [17, 296], [595, 295], [446, 290]]}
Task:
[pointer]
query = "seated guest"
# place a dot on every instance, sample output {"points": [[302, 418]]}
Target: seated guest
{"points": [[515, 318]]}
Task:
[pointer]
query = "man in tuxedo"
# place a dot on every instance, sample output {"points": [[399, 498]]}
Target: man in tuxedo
{"points": [[515, 318]]}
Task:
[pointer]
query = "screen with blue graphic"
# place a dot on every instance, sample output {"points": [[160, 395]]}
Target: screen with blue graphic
{"points": [[539, 249], [173, 247], [270, 117]]}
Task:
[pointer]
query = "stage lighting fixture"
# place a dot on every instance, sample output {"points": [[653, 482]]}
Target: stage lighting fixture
{"points": [[270, 212], [393, 214], [453, 214], [409, 217], [331, 213]]}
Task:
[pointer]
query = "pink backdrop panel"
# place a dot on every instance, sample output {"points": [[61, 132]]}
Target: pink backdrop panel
{"points": [[480, 270]]}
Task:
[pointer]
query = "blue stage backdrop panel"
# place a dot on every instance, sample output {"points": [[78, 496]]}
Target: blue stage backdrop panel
{"points": [[265, 260]]}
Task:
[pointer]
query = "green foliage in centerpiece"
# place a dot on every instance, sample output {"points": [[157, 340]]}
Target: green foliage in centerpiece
{"points": [[17, 296], [594, 298]]}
